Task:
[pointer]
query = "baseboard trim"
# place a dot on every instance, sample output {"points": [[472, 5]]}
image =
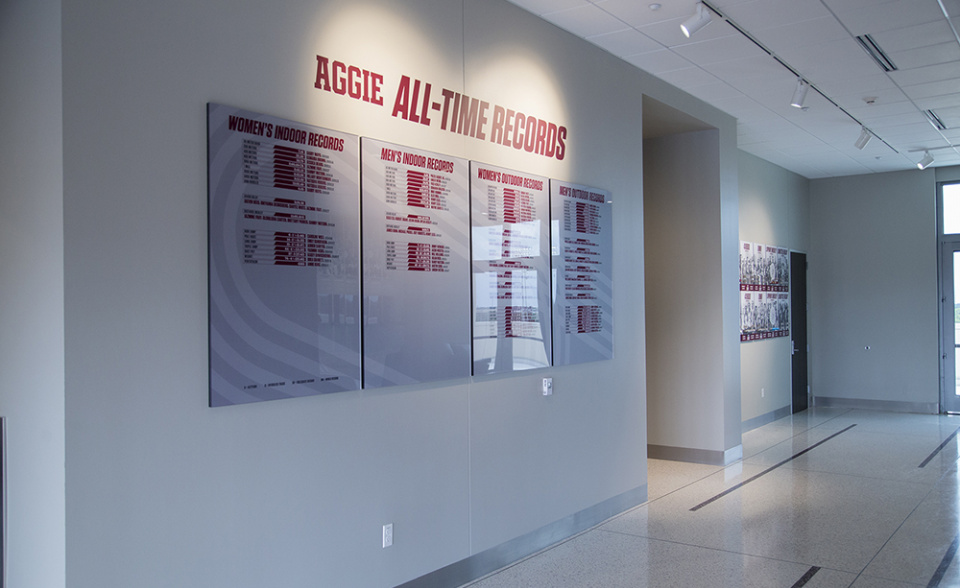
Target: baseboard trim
{"points": [[491, 560], [765, 419], [886, 405], [704, 456]]}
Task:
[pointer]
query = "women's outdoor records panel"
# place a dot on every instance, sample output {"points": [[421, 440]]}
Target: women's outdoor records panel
{"points": [[284, 258], [511, 270], [416, 276]]}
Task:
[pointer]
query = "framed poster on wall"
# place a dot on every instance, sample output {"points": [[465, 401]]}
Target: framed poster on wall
{"points": [[582, 250], [511, 270], [284, 258], [416, 265]]}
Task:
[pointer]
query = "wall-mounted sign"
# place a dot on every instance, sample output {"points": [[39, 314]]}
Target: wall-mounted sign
{"points": [[284, 258], [420, 102], [416, 270], [511, 270], [582, 248]]}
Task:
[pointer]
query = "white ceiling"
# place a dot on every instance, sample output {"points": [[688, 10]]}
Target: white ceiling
{"points": [[817, 39]]}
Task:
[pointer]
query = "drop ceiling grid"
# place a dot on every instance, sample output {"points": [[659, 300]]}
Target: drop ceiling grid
{"points": [[726, 70]]}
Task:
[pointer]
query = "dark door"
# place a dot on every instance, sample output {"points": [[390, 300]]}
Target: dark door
{"points": [[798, 328]]}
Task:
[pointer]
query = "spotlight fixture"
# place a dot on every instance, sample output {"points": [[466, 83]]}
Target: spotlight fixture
{"points": [[800, 94], [700, 19], [926, 161], [864, 138]]}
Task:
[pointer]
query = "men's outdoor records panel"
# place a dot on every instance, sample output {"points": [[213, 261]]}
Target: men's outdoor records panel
{"points": [[416, 270], [582, 247], [511, 270], [284, 258]]}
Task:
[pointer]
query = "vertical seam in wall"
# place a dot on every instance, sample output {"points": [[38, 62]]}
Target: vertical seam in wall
{"points": [[463, 87]]}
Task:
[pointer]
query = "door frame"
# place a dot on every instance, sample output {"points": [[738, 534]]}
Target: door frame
{"points": [[946, 246], [799, 357]]}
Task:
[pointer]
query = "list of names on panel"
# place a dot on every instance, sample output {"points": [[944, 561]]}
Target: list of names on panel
{"points": [[309, 175], [284, 258], [582, 247], [416, 265], [511, 269]]}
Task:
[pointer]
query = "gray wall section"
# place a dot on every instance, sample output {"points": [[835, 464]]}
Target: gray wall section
{"points": [[31, 290], [164, 491], [774, 210], [686, 338], [873, 283]]}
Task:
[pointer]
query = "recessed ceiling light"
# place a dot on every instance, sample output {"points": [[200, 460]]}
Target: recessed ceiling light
{"points": [[655, 6]]}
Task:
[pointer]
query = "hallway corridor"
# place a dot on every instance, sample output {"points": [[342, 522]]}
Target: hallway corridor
{"points": [[824, 498]]}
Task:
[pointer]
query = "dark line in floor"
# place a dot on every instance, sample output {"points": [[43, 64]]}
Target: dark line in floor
{"points": [[945, 563], [806, 577], [939, 449], [767, 471]]}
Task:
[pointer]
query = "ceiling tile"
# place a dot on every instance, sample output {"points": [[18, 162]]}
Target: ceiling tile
{"points": [[885, 16], [926, 75], [938, 102], [715, 50], [539, 7], [752, 69], [830, 61], [658, 62], [764, 14], [924, 56], [931, 89], [638, 13], [711, 92], [871, 84], [782, 39], [894, 125], [866, 112], [626, 42], [585, 21], [692, 77], [905, 38]]}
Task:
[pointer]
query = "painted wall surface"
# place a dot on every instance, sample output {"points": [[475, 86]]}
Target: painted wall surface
{"points": [[774, 210], [164, 491], [873, 283], [31, 290], [683, 285]]}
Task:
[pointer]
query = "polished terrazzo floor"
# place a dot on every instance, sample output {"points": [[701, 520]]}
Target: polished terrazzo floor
{"points": [[825, 498]]}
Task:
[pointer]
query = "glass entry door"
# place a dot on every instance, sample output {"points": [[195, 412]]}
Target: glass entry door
{"points": [[949, 238], [950, 329]]}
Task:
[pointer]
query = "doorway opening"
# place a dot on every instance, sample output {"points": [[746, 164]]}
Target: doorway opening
{"points": [[948, 213]]}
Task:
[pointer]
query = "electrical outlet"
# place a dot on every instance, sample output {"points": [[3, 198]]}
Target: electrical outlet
{"points": [[547, 386], [387, 535], [763, 392]]}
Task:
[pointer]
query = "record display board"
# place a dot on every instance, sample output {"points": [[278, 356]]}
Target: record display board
{"points": [[416, 271], [511, 270], [284, 258], [764, 291], [582, 248]]}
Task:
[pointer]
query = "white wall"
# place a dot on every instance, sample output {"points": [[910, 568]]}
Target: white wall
{"points": [[31, 290], [686, 335], [873, 283], [774, 210], [164, 491]]}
